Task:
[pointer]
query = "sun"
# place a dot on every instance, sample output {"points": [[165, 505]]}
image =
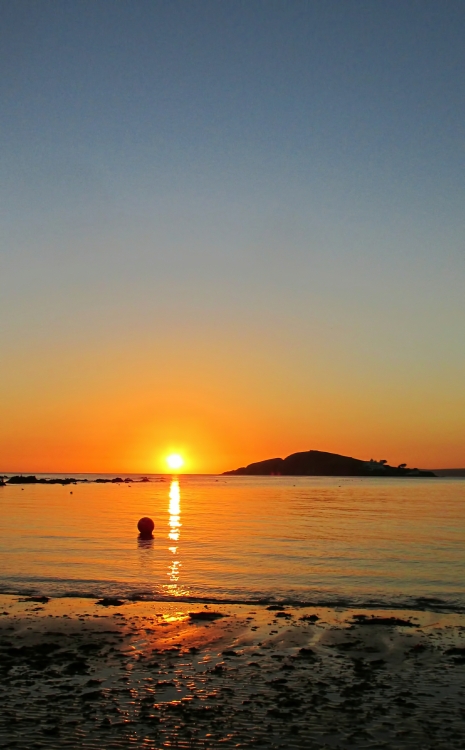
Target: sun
{"points": [[174, 461]]}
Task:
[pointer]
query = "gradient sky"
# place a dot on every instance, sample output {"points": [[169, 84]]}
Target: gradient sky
{"points": [[231, 228]]}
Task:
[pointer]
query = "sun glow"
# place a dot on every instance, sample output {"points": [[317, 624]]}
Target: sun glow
{"points": [[174, 461]]}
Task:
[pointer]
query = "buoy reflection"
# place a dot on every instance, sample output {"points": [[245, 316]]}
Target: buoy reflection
{"points": [[145, 543]]}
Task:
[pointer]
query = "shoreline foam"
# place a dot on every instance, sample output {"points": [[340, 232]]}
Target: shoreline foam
{"points": [[116, 589]]}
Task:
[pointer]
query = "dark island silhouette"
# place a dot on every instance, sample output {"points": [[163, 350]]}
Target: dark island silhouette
{"points": [[31, 479], [320, 463]]}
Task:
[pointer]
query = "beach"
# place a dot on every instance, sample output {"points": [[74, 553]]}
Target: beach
{"points": [[113, 673]]}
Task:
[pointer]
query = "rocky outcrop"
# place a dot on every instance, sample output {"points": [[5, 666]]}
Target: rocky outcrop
{"points": [[31, 479], [20, 479]]}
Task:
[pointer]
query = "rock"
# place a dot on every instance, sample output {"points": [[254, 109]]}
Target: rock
{"points": [[309, 618], [203, 615], [275, 608], [390, 621]]}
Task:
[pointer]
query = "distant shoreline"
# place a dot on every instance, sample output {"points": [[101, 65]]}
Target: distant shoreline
{"points": [[9, 478], [449, 472]]}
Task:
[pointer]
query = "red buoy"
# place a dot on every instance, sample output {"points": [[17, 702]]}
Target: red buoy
{"points": [[146, 527]]}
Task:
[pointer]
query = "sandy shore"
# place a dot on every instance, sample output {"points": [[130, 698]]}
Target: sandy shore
{"points": [[78, 674]]}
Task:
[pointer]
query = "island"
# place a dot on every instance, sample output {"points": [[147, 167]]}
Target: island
{"points": [[319, 463]]}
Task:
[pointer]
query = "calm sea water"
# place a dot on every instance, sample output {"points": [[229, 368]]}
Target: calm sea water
{"points": [[346, 541]]}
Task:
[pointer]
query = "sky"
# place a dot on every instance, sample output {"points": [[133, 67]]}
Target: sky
{"points": [[233, 229]]}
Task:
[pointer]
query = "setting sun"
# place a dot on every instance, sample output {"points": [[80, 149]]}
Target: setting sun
{"points": [[174, 461]]}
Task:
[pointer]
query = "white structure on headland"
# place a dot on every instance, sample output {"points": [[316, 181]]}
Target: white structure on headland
{"points": [[373, 465]]}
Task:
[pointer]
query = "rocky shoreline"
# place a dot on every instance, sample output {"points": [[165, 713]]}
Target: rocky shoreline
{"points": [[31, 479]]}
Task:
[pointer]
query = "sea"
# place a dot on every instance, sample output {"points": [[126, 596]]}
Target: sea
{"points": [[329, 541]]}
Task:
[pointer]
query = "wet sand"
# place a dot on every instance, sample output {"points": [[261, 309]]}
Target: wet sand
{"points": [[79, 674]]}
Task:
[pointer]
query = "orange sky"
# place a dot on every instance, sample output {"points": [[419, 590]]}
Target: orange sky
{"points": [[123, 409]]}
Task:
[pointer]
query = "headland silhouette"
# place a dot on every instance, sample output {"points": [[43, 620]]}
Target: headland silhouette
{"points": [[320, 463]]}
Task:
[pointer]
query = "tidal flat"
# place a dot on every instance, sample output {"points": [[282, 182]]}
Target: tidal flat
{"points": [[76, 673]]}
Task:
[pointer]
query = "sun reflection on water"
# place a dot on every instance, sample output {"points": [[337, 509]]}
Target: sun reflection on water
{"points": [[174, 511], [174, 533]]}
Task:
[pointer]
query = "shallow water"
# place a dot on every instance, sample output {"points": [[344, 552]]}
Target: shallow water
{"points": [[348, 541]]}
